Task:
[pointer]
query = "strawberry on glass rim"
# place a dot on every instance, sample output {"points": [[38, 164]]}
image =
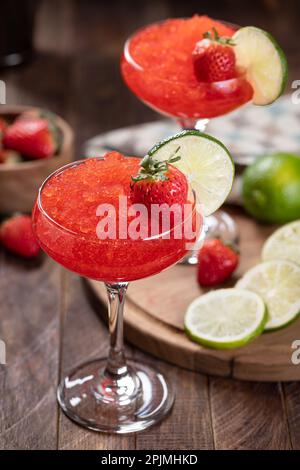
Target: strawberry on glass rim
{"points": [[159, 182], [214, 58]]}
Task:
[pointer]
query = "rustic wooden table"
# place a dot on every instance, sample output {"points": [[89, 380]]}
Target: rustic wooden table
{"points": [[46, 320]]}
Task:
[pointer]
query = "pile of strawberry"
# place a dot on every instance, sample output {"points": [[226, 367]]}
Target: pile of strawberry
{"points": [[33, 135]]}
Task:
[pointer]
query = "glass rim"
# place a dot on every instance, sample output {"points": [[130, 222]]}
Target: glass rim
{"points": [[81, 235], [129, 59]]}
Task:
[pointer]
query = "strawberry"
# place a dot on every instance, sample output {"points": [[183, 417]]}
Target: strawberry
{"points": [[214, 58], [16, 234], [216, 262], [33, 138], [158, 182]]}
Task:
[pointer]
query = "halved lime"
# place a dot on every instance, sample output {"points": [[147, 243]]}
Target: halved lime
{"points": [[278, 283], [284, 244], [205, 161], [263, 61], [225, 318]]}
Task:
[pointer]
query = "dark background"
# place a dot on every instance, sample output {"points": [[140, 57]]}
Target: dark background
{"points": [[78, 43]]}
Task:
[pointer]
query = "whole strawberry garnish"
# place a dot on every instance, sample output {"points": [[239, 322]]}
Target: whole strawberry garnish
{"points": [[216, 262], [214, 58], [33, 138], [159, 182], [16, 234]]}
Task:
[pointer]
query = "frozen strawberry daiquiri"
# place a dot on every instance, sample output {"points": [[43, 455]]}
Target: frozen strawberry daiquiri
{"points": [[161, 65], [95, 218], [107, 219]]}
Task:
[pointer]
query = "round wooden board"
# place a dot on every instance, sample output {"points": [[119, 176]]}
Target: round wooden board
{"points": [[155, 311]]}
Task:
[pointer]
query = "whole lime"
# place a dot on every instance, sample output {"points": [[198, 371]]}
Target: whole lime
{"points": [[271, 188]]}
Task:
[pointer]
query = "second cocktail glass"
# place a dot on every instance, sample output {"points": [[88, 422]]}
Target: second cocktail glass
{"points": [[157, 66]]}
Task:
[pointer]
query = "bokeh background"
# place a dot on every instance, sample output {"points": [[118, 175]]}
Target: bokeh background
{"points": [[78, 43]]}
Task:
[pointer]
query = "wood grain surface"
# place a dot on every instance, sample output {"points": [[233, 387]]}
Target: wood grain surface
{"points": [[46, 320]]}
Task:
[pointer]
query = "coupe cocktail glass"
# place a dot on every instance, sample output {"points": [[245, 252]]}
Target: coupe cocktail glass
{"points": [[110, 395], [157, 65]]}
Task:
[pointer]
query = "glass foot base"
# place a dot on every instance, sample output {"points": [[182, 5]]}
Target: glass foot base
{"points": [[218, 225], [143, 398]]}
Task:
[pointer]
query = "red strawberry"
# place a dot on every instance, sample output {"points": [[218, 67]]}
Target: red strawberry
{"points": [[33, 138], [216, 262], [16, 234], [159, 183], [214, 58]]}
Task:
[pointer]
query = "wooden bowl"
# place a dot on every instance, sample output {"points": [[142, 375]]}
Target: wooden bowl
{"points": [[19, 183]]}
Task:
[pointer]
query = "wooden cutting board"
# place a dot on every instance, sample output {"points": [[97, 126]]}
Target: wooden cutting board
{"points": [[155, 311]]}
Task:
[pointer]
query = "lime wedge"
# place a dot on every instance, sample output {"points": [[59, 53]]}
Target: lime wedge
{"points": [[278, 283], [263, 61], [205, 161], [284, 244], [225, 318]]}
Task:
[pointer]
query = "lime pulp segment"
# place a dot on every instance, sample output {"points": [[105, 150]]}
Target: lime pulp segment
{"points": [[225, 318], [260, 57], [205, 161], [278, 283], [283, 244]]}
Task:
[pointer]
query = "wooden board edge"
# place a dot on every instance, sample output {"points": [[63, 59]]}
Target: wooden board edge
{"points": [[139, 332]]}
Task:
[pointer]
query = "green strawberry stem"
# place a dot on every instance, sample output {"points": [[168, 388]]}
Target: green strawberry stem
{"points": [[217, 38], [152, 169]]}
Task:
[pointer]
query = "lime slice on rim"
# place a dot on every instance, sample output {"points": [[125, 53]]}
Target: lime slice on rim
{"points": [[278, 283], [225, 318], [284, 244], [264, 62], [205, 161]]}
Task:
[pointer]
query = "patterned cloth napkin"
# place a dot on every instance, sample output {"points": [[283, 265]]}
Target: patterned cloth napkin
{"points": [[249, 132]]}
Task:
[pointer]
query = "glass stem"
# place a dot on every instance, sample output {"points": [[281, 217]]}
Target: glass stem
{"points": [[116, 364], [199, 124]]}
